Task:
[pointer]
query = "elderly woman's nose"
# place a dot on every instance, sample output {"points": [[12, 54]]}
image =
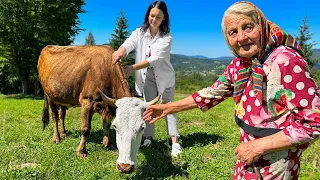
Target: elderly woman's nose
{"points": [[242, 36]]}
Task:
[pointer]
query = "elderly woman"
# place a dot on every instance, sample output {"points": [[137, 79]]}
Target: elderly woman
{"points": [[277, 101]]}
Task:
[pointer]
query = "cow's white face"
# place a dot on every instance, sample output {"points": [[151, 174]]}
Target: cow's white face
{"points": [[129, 127]]}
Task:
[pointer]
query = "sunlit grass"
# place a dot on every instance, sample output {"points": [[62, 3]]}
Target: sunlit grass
{"points": [[208, 140]]}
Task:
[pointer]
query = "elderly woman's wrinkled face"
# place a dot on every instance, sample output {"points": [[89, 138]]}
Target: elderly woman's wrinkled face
{"points": [[243, 34]]}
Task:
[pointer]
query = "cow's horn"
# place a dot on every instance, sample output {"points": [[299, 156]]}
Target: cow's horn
{"points": [[155, 100], [110, 101]]}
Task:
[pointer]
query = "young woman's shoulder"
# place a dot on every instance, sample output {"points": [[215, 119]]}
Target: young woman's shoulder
{"points": [[167, 36], [138, 31]]}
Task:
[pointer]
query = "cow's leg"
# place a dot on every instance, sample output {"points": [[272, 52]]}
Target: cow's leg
{"points": [[106, 136], [106, 127], [86, 115], [63, 110], [55, 117]]}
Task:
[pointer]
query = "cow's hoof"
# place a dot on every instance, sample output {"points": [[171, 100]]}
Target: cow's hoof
{"points": [[56, 140], [82, 155], [112, 147], [105, 141], [63, 135]]}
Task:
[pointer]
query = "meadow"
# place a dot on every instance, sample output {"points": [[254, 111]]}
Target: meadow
{"points": [[208, 140]]}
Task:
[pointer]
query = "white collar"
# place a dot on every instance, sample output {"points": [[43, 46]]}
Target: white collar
{"points": [[148, 33]]}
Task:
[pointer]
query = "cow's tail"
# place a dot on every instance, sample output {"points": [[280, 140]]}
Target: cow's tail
{"points": [[45, 115]]}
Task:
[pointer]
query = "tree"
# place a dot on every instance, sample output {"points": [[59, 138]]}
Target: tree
{"points": [[117, 38], [29, 25], [304, 40], [120, 32], [90, 40]]}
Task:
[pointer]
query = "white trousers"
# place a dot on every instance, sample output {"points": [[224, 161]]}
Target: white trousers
{"points": [[150, 91]]}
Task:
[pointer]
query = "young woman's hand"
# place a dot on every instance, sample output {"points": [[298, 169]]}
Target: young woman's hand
{"points": [[116, 56]]}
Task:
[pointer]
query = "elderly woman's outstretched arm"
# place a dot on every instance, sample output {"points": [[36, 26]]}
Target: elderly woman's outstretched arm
{"points": [[158, 111]]}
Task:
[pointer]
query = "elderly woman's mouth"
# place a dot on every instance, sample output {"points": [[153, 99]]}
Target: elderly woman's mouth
{"points": [[246, 46]]}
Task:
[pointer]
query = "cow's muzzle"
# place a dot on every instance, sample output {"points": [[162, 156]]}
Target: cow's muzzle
{"points": [[125, 168]]}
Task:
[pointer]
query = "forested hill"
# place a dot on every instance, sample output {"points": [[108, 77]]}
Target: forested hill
{"points": [[316, 53], [199, 63], [216, 65]]}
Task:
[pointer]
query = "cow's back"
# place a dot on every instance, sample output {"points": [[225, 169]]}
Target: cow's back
{"points": [[66, 72]]}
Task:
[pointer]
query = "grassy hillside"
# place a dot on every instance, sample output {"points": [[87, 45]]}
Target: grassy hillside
{"points": [[208, 140]]}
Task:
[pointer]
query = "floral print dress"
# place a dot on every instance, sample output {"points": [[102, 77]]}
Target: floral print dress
{"points": [[290, 102]]}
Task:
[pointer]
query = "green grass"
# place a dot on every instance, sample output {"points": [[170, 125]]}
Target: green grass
{"points": [[208, 140]]}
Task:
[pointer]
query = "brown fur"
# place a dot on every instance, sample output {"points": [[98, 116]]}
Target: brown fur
{"points": [[70, 76]]}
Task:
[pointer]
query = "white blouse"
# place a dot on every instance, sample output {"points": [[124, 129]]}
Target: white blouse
{"points": [[160, 47]]}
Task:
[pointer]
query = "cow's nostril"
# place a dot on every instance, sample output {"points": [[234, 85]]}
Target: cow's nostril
{"points": [[125, 168]]}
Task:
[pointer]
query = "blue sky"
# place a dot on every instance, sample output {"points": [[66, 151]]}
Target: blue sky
{"points": [[195, 24]]}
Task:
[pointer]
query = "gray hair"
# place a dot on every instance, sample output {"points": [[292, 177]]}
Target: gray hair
{"points": [[240, 8]]}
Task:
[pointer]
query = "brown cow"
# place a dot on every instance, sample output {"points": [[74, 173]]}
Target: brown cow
{"points": [[71, 76]]}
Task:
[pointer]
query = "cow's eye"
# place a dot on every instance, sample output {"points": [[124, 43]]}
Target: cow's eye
{"points": [[114, 127], [142, 128]]}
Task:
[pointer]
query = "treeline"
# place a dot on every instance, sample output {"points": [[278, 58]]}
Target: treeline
{"points": [[189, 82], [25, 28]]}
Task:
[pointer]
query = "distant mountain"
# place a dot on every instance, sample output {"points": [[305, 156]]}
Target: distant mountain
{"points": [[316, 54], [200, 57], [182, 62], [223, 58], [199, 63]]}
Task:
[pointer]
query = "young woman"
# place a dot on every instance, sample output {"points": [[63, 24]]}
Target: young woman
{"points": [[154, 72]]}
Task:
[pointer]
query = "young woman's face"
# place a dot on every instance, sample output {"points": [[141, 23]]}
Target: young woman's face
{"points": [[156, 17], [243, 34]]}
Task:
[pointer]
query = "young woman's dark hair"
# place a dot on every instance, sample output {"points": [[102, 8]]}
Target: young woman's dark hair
{"points": [[164, 27]]}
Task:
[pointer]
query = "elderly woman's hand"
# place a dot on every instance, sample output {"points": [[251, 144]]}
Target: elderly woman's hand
{"points": [[249, 152], [155, 112]]}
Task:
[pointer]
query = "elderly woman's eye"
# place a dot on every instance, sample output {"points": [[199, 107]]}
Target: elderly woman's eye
{"points": [[248, 28], [232, 34]]}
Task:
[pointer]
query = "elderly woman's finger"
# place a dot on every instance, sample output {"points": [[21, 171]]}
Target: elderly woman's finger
{"points": [[147, 116], [147, 111], [155, 119]]}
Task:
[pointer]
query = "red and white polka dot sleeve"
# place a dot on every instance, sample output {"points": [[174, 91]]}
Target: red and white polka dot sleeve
{"points": [[217, 92], [305, 102]]}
